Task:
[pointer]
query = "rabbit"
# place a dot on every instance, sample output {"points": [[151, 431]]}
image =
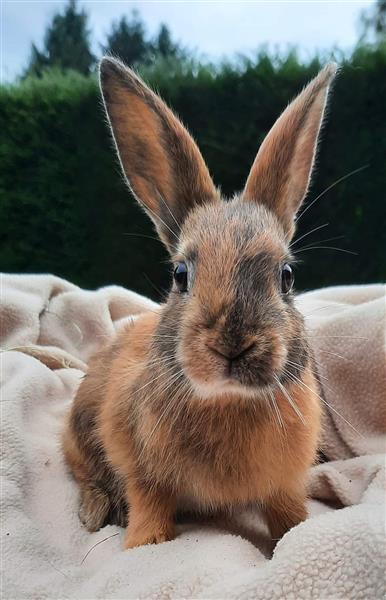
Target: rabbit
{"points": [[209, 402]]}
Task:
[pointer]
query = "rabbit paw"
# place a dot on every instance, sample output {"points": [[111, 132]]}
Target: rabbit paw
{"points": [[94, 508], [142, 538]]}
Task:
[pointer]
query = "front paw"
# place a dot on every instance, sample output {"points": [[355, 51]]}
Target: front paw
{"points": [[142, 538]]}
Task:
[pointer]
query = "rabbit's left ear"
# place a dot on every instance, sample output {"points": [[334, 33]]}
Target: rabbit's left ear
{"points": [[280, 175]]}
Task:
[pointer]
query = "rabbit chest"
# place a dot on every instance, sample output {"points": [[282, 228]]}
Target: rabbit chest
{"points": [[220, 457]]}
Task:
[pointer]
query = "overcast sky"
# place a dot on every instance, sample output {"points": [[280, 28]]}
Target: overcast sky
{"points": [[215, 28]]}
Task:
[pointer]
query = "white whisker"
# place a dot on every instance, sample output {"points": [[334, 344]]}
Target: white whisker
{"points": [[163, 222], [308, 233], [350, 337], [315, 372], [330, 187], [155, 379], [306, 248], [275, 408], [167, 206], [291, 401], [163, 413], [329, 405]]}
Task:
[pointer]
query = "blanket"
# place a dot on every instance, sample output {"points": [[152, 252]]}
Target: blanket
{"points": [[49, 330]]}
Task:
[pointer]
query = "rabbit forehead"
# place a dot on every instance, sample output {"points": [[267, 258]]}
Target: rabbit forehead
{"points": [[228, 233]]}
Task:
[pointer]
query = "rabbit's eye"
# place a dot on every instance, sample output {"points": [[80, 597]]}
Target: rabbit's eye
{"points": [[181, 276], [287, 279]]}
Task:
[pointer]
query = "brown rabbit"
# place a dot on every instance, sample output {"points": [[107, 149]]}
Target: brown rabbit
{"points": [[211, 401]]}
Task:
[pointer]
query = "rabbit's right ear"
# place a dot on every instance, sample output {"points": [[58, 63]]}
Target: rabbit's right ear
{"points": [[161, 162]]}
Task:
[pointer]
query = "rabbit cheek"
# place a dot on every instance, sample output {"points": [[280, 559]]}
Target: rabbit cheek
{"points": [[199, 365]]}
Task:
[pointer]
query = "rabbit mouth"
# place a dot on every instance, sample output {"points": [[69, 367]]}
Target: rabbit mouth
{"points": [[221, 361], [214, 373]]}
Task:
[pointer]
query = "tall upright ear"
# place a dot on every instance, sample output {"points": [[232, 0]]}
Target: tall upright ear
{"points": [[280, 175], [160, 160]]}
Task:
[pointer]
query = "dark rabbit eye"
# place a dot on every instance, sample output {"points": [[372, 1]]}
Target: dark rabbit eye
{"points": [[287, 279], [181, 276]]}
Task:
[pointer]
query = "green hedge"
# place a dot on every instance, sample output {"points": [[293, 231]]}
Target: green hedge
{"points": [[64, 208]]}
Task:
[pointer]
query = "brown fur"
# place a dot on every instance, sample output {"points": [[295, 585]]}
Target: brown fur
{"points": [[159, 158], [282, 168], [211, 401]]}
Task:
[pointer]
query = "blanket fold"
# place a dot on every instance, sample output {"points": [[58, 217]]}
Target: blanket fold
{"points": [[49, 330]]}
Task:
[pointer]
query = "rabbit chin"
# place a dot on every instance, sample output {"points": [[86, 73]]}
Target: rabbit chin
{"points": [[226, 387]]}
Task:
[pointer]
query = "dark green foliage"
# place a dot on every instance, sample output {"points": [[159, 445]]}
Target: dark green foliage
{"points": [[374, 21], [37, 63], [164, 45], [64, 207], [127, 41], [66, 44]]}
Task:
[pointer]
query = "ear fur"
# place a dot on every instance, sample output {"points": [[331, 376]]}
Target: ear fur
{"points": [[279, 177], [160, 160]]}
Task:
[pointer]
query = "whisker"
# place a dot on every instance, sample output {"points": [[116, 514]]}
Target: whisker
{"points": [[272, 399], [163, 413], [308, 233], [325, 248], [162, 293], [314, 310], [153, 361], [142, 336], [332, 354], [143, 235], [155, 379], [165, 224], [159, 391], [329, 405], [301, 367], [330, 239], [291, 401], [182, 401], [97, 544], [170, 373], [160, 360], [350, 337], [167, 206], [318, 374], [330, 188]]}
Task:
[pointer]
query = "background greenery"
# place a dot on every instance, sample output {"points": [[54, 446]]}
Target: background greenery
{"points": [[64, 207]]}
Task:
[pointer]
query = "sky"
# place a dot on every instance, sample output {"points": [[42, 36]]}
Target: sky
{"points": [[215, 28]]}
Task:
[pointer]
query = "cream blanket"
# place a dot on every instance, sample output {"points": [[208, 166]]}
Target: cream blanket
{"points": [[49, 328]]}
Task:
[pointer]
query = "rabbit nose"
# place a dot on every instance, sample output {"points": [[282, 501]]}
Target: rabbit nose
{"points": [[232, 354]]}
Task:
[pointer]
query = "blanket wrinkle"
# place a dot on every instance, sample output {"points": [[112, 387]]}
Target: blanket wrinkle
{"points": [[50, 328]]}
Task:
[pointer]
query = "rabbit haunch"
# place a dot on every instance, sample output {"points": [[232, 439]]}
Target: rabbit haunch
{"points": [[211, 401]]}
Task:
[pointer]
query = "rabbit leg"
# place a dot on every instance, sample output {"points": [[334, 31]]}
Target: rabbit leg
{"points": [[284, 511], [151, 517], [94, 508], [118, 513]]}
